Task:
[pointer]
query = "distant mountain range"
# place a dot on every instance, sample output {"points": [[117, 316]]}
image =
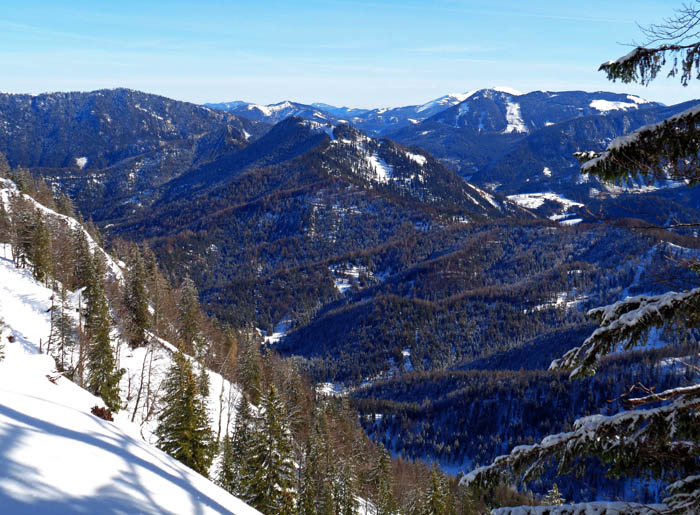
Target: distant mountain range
{"points": [[372, 121], [509, 142]]}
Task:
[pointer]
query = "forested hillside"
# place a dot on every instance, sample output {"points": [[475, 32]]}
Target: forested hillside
{"points": [[211, 398]]}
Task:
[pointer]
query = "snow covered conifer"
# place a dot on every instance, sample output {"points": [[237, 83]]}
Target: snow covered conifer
{"points": [[384, 501], [183, 425], [662, 441], [274, 476], [554, 496], [435, 495], [669, 149], [345, 490], [234, 472]]}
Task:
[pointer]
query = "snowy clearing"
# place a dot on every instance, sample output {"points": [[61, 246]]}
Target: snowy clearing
{"points": [[421, 160], [606, 105], [514, 119], [279, 332], [381, 169], [536, 200]]}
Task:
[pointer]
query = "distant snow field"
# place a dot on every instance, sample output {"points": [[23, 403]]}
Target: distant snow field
{"points": [[536, 200], [607, 105]]}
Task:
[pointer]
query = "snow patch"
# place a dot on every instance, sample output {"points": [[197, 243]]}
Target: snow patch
{"points": [[80, 162], [421, 160], [383, 171], [571, 221], [279, 332], [607, 105], [536, 200], [514, 119]]}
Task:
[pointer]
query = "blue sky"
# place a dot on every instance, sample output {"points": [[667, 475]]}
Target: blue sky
{"points": [[359, 53]]}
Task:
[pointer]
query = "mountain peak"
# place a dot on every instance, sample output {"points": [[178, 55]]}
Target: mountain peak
{"points": [[506, 89]]}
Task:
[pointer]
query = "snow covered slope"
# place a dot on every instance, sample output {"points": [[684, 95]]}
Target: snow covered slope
{"points": [[55, 456]]}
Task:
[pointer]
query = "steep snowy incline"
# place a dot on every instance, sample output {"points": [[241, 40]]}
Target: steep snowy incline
{"points": [[8, 189], [55, 456]]}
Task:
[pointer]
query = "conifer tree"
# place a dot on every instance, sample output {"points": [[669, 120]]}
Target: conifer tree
{"points": [[103, 376], [5, 226], [554, 496], [183, 428], [62, 337], [307, 485], [4, 167], [436, 495], [40, 250], [274, 476], [136, 299], [190, 320], [83, 261], [235, 475], [250, 368], [21, 230], [189, 315], [64, 205], [346, 492], [384, 501], [159, 292], [226, 477]]}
